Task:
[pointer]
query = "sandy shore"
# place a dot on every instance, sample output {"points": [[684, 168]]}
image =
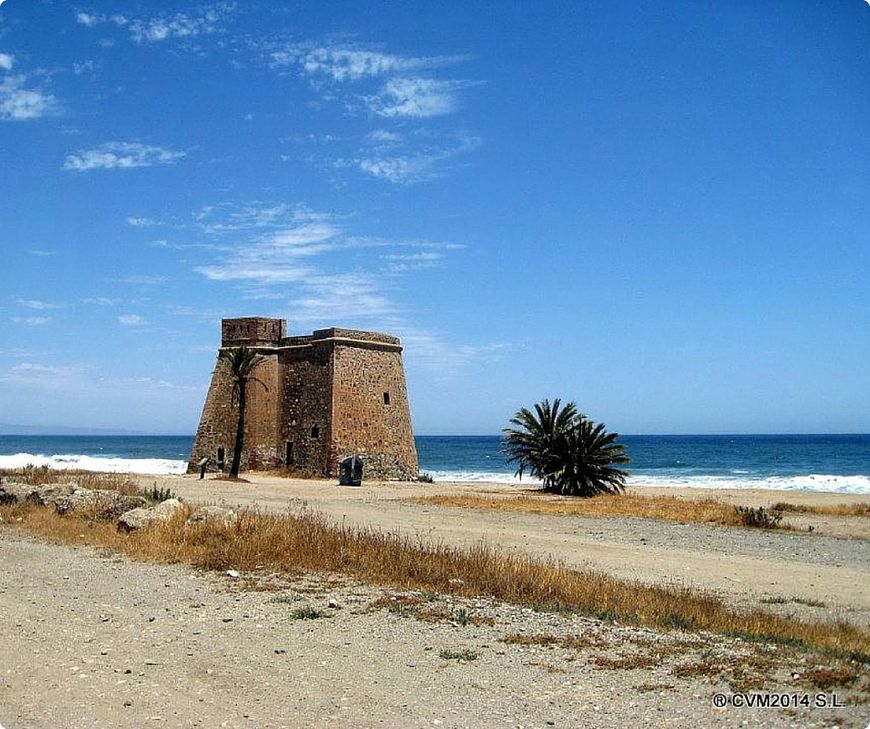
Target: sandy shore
{"points": [[92, 640], [748, 568], [96, 641]]}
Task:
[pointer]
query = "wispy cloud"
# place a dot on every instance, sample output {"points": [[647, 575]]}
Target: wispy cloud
{"points": [[131, 320], [324, 275], [415, 97], [37, 374], [143, 280], [89, 19], [350, 64], [101, 301], [31, 321], [41, 253], [279, 244], [403, 262], [36, 304], [141, 222], [204, 20], [276, 256], [6, 61], [20, 103], [385, 164], [120, 155]]}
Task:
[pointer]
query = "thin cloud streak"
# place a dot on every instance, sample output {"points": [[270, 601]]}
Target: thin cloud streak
{"points": [[120, 156], [206, 20], [349, 64]]}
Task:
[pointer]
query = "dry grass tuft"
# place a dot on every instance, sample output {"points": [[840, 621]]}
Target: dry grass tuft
{"points": [[666, 508], [308, 542], [826, 678], [626, 663], [856, 509], [522, 639]]}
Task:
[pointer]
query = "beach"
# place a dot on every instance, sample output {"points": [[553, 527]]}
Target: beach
{"points": [[96, 640], [741, 565]]}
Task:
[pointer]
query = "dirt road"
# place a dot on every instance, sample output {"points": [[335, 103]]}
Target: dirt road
{"points": [[786, 572]]}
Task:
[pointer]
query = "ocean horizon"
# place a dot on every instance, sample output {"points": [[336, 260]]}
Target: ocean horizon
{"points": [[837, 463]]}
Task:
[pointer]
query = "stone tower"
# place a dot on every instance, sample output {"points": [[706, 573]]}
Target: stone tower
{"points": [[319, 398]]}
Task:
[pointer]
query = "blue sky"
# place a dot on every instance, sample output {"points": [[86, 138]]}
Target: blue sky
{"points": [[658, 209]]}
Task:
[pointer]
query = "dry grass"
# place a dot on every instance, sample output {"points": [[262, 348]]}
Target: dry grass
{"points": [[41, 475], [626, 663], [856, 509], [667, 508], [307, 542]]}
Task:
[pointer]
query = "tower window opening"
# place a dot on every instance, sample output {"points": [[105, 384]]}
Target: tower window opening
{"points": [[315, 432], [386, 398]]}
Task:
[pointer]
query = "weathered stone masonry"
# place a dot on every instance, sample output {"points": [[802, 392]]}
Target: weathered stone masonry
{"points": [[318, 398]]}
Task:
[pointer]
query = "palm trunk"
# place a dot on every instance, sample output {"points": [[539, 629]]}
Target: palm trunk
{"points": [[240, 430]]}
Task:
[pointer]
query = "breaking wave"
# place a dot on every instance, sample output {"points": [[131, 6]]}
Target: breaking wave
{"points": [[810, 482], [108, 464]]}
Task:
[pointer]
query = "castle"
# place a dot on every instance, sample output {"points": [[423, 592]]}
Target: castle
{"points": [[318, 399]]}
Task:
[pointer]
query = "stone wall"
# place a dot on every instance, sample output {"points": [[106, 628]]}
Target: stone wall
{"points": [[306, 406], [371, 416], [217, 425]]}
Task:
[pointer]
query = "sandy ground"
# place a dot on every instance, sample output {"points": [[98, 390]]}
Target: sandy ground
{"points": [[744, 566], [91, 641]]}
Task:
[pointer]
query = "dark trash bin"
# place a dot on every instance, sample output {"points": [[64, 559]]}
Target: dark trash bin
{"points": [[350, 471]]}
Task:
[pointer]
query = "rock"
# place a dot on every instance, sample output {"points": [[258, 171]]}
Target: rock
{"points": [[167, 508], [333, 603], [48, 494], [103, 504], [233, 573], [137, 518], [11, 492], [213, 514]]}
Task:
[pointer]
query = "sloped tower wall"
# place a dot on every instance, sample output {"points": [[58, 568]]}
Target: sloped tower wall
{"points": [[320, 397]]}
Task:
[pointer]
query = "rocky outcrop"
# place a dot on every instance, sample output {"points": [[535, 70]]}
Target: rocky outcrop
{"points": [[213, 515], [49, 493], [11, 492], [103, 504], [141, 517]]}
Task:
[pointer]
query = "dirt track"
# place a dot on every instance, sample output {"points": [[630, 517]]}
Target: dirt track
{"points": [[90, 641], [742, 565]]}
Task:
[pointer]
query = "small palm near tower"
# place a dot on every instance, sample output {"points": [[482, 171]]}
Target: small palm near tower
{"points": [[242, 363], [571, 454]]}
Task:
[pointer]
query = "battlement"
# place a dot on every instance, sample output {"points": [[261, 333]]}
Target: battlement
{"points": [[257, 331], [252, 330]]}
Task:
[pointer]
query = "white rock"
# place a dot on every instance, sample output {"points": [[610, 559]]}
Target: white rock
{"points": [[138, 518], [213, 514]]}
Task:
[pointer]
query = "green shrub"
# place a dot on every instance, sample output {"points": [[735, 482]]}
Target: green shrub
{"points": [[159, 494], [758, 517], [425, 478]]}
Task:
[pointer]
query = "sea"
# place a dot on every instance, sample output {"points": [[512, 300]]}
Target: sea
{"points": [[833, 463]]}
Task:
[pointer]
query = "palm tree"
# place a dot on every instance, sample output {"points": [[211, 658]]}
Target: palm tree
{"points": [[242, 363], [533, 443], [570, 453]]}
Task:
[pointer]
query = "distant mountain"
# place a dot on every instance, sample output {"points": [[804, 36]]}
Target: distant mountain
{"points": [[7, 429]]}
